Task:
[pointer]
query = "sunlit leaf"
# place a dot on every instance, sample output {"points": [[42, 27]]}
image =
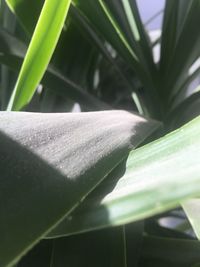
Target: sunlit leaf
{"points": [[58, 160], [154, 179], [39, 53]]}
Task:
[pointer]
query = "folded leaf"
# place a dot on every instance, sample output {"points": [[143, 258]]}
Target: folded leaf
{"points": [[50, 163]]}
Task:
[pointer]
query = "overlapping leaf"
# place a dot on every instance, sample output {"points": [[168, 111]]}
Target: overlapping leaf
{"points": [[155, 178], [39, 53], [180, 43], [27, 12], [13, 50], [49, 164]]}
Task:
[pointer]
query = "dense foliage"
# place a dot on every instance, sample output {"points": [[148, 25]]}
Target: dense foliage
{"points": [[115, 186]]}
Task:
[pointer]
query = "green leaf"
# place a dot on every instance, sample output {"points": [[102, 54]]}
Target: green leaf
{"points": [[107, 17], [142, 42], [8, 78], [154, 179], [127, 15], [63, 86], [11, 45], [100, 17], [27, 12], [40, 255], [192, 210], [40, 50], [98, 42], [28, 20], [169, 33], [181, 92], [13, 51], [58, 160], [185, 111], [183, 56]]}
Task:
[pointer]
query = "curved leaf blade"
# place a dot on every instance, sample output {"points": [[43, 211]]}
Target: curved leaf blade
{"points": [[40, 50], [156, 178], [12, 52], [58, 160]]}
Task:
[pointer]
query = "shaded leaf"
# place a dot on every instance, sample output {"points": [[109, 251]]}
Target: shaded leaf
{"points": [[134, 239], [13, 51], [58, 160], [40, 255], [186, 50], [154, 179], [27, 12]]}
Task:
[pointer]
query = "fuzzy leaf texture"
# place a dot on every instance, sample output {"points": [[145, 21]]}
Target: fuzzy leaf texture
{"points": [[50, 163]]}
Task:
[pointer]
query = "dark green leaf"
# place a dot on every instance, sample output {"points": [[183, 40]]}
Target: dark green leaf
{"points": [[10, 47], [58, 160], [27, 12]]}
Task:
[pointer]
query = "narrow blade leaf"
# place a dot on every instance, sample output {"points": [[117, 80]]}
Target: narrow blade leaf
{"points": [[40, 50]]}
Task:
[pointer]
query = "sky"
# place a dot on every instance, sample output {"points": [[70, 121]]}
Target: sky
{"points": [[148, 8]]}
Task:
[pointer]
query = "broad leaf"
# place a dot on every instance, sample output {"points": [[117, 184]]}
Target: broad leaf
{"points": [[50, 163], [154, 179]]}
